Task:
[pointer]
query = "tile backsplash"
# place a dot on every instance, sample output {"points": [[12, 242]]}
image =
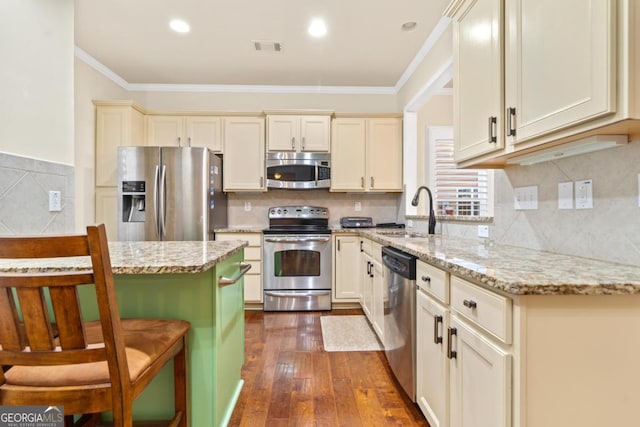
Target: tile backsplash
{"points": [[24, 196], [609, 231], [383, 207]]}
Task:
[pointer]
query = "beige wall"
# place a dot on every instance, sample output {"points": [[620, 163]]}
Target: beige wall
{"points": [[438, 111], [36, 79], [439, 55], [89, 85], [265, 101]]}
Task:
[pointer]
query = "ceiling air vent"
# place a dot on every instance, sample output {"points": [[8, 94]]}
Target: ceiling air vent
{"points": [[267, 46]]}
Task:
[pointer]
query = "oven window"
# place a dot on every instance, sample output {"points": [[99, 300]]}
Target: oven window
{"points": [[292, 173], [296, 263]]}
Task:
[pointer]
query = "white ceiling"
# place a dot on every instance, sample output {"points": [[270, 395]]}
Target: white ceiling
{"points": [[364, 45]]}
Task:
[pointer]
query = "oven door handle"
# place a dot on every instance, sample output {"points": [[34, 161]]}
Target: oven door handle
{"points": [[297, 240], [296, 294]]}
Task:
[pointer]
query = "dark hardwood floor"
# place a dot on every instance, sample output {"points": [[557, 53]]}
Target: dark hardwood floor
{"points": [[291, 381]]}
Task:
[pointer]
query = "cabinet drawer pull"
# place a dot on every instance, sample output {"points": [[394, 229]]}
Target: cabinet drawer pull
{"points": [[372, 182], [361, 243], [303, 142], [179, 142], [426, 279], [511, 121], [469, 303], [451, 354], [493, 120], [362, 181], [293, 142], [437, 337]]}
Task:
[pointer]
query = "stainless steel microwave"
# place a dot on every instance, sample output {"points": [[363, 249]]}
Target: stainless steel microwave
{"points": [[298, 171]]}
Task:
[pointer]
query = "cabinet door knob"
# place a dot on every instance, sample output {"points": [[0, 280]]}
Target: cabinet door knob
{"points": [[362, 181], [293, 142], [179, 142], [470, 303], [372, 182], [303, 142]]}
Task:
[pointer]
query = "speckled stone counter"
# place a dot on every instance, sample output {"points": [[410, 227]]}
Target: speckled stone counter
{"points": [[144, 258], [512, 269]]}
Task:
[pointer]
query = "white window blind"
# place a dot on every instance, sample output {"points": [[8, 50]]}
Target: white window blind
{"points": [[462, 192]]}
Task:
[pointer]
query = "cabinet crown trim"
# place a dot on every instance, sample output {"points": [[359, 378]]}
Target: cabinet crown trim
{"points": [[299, 112]]}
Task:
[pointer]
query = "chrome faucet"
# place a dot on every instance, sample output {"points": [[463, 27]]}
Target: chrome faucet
{"points": [[432, 215]]}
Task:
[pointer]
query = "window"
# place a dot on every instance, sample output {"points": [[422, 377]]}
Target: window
{"points": [[460, 192]]}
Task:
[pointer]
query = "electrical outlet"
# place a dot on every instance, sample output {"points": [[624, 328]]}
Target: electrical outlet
{"points": [[483, 231], [55, 201], [584, 194], [358, 207], [565, 195], [247, 206]]}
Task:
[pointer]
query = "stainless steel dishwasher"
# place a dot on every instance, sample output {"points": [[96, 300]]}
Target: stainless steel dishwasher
{"points": [[400, 316]]}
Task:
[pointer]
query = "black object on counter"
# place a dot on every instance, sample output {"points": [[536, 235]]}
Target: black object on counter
{"points": [[389, 225]]}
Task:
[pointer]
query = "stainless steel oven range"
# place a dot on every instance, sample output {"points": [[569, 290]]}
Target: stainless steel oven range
{"points": [[297, 259]]}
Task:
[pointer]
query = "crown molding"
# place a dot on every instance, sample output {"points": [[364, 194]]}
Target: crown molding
{"points": [[428, 44]]}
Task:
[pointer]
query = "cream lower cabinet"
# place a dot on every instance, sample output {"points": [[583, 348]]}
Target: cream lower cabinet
{"points": [[244, 154], [366, 154], [252, 255], [373, 285], [346, 268], [432, 364], [185, 131], [480, 385]]}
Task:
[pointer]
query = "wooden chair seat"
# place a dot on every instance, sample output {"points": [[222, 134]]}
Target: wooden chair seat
{"points": [[146, 341], [52, 357]]}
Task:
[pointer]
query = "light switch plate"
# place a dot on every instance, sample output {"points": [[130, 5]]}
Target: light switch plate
{"points": [[565, 195], [584, 194], [358, 206], [525, 198], [247, 206], [483, 231]]}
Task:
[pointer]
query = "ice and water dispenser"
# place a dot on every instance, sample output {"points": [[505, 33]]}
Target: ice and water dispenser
{"points": [[133, 201]]}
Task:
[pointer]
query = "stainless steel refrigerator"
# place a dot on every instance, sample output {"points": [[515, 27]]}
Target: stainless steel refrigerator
{"points": [[169, 193]]}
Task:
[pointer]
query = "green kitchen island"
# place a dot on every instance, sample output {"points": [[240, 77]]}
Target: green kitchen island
{"points": [[194, 281]]}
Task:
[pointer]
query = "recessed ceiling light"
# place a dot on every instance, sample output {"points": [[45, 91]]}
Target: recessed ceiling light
{"points": [[317, 28], [179, 26], [408, 26]]}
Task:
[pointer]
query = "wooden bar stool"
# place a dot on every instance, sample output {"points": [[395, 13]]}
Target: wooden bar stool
{"points": [[52, 357]]}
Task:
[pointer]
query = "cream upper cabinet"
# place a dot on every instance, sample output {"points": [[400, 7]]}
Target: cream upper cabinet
{"points": [[107, 210], [298, 133], [366, 154], [478, 76], [117, 124], [533, 74], [560, 64], [346, 267], [348, 150], [244, 154], [185, 131]]}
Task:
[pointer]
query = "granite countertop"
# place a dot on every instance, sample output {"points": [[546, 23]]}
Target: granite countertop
{"points": [[516, 270], [240, 229], [143, 258]]}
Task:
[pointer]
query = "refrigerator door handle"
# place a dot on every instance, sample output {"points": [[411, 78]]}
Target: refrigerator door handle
{"points": [[156, 203], [163, 200]]}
